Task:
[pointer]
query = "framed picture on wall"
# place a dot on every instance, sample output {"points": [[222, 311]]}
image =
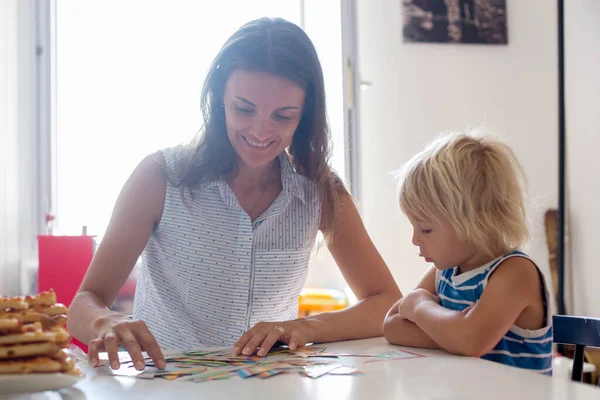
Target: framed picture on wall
{"points": [[454, 21]]}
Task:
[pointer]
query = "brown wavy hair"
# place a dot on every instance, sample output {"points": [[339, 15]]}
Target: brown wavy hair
{"points": [[281, 48]]}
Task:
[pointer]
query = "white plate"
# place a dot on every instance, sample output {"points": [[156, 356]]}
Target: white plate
{"points": [[36, 382]]}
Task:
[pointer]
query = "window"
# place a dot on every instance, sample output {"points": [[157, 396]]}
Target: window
{"points": [[128, 81]]}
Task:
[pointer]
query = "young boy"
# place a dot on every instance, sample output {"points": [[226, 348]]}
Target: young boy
{"points": [[481, 296]]}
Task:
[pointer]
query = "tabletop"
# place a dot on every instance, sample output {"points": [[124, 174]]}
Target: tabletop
{"points": [[437, 376]]}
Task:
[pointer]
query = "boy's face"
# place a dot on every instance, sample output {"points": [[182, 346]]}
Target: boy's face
{"points": [[438, 244]]}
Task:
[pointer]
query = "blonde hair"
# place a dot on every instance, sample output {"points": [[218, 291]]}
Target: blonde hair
{"points": [[476, 183]]}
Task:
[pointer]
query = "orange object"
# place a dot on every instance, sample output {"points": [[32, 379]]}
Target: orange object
{"points": [[313, 301]]}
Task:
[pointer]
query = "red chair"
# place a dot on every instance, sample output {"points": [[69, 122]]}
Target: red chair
{"points": [[63, 262]]}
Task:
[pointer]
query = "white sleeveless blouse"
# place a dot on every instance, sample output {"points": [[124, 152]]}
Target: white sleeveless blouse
{"points": [[209, 273]]}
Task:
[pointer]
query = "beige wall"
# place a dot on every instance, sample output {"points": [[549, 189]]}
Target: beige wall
{"points": [[582, 81], [419, 90]]}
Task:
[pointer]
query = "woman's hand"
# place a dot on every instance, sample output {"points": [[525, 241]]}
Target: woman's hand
{"points": [[409, 303], [262, 336], [116, 330]]}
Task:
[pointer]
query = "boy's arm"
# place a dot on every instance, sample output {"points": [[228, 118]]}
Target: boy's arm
{"points": [[514, 286], [400, 331]]}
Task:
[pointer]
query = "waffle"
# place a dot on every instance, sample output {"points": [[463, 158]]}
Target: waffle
{"points": [[33, 335]]}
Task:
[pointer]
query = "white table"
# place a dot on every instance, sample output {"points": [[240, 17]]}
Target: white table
{"points": [[439, 376]]}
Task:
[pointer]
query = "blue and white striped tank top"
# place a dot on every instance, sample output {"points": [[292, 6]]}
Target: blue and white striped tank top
{"points": [[529, 349], [209, 273]]}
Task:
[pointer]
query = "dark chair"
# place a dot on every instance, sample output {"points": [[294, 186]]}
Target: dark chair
{"points": [[578, 331]]}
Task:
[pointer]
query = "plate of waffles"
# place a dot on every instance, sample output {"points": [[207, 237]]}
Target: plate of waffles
{"points": [[32, 342]]}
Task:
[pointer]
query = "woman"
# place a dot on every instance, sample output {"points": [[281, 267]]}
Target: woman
{"points": [[227, 223]]}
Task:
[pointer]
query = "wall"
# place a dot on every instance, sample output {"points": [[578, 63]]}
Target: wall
{"points": [[419, 90], [582, 82]]}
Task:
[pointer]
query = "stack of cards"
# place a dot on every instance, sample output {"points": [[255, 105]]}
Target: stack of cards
{"points": [[201, 365]]}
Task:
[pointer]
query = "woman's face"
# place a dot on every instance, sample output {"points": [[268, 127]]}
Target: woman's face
{"points": [[262, 112]]}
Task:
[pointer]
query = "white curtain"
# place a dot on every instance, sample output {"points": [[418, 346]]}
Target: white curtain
{"points": [[19, 150], [9, 174]]}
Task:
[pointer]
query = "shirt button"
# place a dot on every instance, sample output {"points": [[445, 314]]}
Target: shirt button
{"points": [[242, 280], [239, 323]]}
